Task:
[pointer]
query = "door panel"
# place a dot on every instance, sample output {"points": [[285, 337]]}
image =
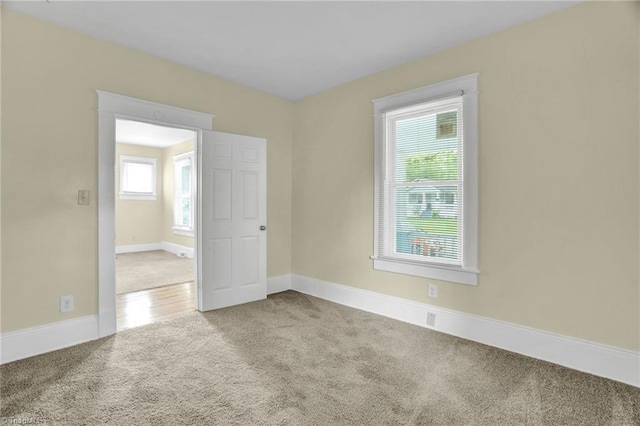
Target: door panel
{"points": [[250, 196], [221, 193], [221, 262], [233, 252], [250, 261]]}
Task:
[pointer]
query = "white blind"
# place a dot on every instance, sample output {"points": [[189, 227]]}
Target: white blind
{"points": [[420, 212]]}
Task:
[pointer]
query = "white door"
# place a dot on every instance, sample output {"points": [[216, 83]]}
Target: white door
{"points": [[232, 255]]}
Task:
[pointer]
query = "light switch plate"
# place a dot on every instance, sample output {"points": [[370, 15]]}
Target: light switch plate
{"points": [[83, 197]]}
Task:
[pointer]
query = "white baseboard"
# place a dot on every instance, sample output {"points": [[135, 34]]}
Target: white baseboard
{"points": [[135, 248], [25, 343], [278, 284], [165, 245], [594, 358], [177, 248]]}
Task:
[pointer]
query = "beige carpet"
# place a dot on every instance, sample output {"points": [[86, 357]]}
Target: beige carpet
{"points": [[151, 269], [298, 360]]}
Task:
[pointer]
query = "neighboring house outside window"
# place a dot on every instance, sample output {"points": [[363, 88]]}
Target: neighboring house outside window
{"points": [[183, 194], [426, 181], [138, 178]]}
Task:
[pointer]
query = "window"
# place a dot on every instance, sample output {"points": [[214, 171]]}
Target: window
{"points": [[183, 194], [137, 178], [426, 181], [447, 197]]}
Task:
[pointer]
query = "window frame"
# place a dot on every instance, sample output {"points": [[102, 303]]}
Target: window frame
{"points": [[177, 181], [132, 195], [466, 86]]}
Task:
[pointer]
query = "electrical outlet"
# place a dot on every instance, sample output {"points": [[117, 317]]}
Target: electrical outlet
{"points": [[433, 291], [83, 197], [431, 319], [66, 304]]}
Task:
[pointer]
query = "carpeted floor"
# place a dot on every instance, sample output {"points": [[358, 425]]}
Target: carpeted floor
{"points": [[151, 269], [298, 360]]}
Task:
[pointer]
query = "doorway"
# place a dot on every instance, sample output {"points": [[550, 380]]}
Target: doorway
{"points": [[230, 207], [155, 198]]}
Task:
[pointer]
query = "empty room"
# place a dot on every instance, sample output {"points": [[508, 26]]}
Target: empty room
{"points": [[154, 222], [320, 213]]}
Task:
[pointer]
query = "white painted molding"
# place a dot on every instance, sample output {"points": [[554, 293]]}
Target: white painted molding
{"points": [[165, 245], [135, 248], [278, 284], [33, 341], [183, 232], [125, 161], [177, 248], [152, 111], [594, 358], [438, 272], [384, 256], [600, 360], [110, 107]]}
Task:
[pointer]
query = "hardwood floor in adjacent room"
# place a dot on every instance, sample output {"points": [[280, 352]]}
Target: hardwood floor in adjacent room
{"points": [[157, 304]]}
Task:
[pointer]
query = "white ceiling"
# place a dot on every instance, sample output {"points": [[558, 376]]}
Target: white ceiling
{"points": [[146, 134], [289, 49]]}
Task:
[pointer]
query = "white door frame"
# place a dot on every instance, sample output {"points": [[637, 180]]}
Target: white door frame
{"points": [[112, 106]]}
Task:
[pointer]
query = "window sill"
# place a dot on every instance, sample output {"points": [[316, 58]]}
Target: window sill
{"points": [[130, 196], [439, 272], [183, 232]]}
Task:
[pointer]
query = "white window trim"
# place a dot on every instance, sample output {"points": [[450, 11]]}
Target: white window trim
{"points": [[186, 231], [468, 87], [128, 195], [182, 231]]}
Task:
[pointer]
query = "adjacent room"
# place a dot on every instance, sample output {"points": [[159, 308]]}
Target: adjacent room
{"points": [[154, 222], [320, 213]]}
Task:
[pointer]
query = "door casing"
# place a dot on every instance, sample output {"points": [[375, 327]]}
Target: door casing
{"points": [[112, 106]]}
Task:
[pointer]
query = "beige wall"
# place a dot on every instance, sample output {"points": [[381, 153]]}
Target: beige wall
{"points": [[559, 159], [167, 225], [559, 186], [49, 127], [150, 221], [0, 168], [139, 221]]}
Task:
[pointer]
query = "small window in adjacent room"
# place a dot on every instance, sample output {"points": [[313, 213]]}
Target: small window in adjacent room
{"points": [[426, 153], [137, 178], [183, 194]]}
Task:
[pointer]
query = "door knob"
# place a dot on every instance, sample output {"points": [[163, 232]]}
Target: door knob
{"points": [[263, 228]]}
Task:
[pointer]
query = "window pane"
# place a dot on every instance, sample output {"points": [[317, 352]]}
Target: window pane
{"points": [[139, 177], [182, 204], [185, 218], [427, 221], [426, 147], [185, 179]]}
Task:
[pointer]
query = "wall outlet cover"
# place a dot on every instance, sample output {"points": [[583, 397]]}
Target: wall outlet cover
{"points": [[66, 304], [431, 319], [433, 291]]}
